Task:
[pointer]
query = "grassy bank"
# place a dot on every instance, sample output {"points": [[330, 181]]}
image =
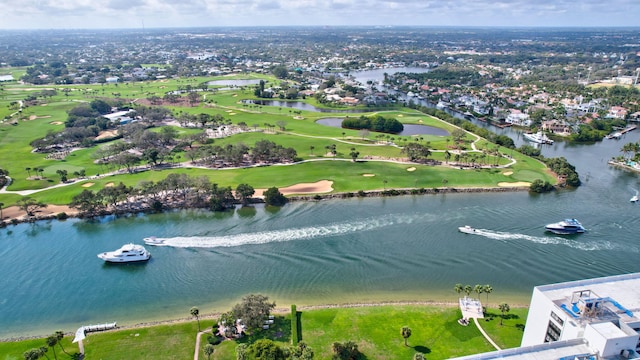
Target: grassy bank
{"points": [[376, 330]]}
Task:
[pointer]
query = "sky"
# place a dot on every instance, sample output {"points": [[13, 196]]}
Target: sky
{"points": [[109, 14]]}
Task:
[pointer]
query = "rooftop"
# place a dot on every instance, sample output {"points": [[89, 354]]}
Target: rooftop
{"points": [[580, 298]]}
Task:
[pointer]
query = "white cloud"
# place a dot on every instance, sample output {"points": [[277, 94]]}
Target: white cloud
{"points": [[188, 13]]}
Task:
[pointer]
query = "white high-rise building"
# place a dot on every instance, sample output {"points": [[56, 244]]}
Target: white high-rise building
{"points": [[586, 319]]}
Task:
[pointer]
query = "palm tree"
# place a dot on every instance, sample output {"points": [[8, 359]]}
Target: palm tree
{"points": [[504, 308], [458, 288], [1, 217], [487, 290], [208, 350], [447, 155], [195, 313], [311, 148], [59, 335], [406, 333], [51, 342], [478, 289], [467, 290], [28, 171]]}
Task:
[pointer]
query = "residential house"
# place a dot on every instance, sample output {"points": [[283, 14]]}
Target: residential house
{"points": [[518, 118], [617, 112], [557, 127]]}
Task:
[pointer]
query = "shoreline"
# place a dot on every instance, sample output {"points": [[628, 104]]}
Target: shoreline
{"points": [[277, 310], [13, 215]]}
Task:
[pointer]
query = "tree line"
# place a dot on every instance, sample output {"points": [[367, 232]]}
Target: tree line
{"points": [[175, 191]]}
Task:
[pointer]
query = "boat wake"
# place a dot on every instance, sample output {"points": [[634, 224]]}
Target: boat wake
{"points": [[264, 237], [578, 244]]}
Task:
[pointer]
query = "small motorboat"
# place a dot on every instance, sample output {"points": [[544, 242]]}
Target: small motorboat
{"points": [[127, 253], [467, 229], [565, 227], [634, 198], [153, 241]]}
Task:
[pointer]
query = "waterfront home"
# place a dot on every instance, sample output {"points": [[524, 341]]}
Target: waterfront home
{"points": [[557, 127], [617, 112], [518, 118]]}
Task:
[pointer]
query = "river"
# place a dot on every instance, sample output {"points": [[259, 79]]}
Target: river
{"points": [[338, 251]]}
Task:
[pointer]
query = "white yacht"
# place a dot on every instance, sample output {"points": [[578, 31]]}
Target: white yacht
{"points": [[566, 227], [127, 253], [152, 240], [467, 229], [538, 137]]}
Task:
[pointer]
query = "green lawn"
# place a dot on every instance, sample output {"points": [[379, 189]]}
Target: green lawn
{"points": [[301, 133], [376, 330]]}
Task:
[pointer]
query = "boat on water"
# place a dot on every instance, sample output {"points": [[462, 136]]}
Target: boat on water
{"points": [[634, 198], [538, 137], [467, 229], [565, 227], [152, 240], [127, 253]]}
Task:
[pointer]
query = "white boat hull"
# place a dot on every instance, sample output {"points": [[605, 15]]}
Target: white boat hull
{"points": [[467, 230], [153, 241], [566, 227], [126, 254]]}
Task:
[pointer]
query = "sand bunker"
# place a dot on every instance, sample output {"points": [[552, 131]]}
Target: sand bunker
{"points": [[507, 173], [298, 117], [109, 184], [420, 120], [33, 117], [228, 111], [400, 115], [411, 169], [232, 113], [514, 184], [56, 123], [322, 186], [368, 175], [107, 134], [88, 184]]}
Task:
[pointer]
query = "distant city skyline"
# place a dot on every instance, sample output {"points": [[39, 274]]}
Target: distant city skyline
{"points": [[114, 14]]}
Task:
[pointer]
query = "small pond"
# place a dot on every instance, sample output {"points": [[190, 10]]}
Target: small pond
{"points": [[409, 129]]}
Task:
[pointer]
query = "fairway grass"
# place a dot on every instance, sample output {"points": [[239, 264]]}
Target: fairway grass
{"points": [[301, 132], [376, 330]]}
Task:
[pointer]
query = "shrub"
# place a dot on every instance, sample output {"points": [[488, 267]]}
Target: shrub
{"points": [[214, 340], [62, 216]]}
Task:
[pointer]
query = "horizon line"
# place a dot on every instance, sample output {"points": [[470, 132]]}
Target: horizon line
{"points": [[145, 28]]}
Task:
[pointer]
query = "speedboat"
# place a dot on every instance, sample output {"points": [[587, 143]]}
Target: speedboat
{"points": [[566, 227], [153, 241], [467, 229], [634, 198], [538, 137], [127, 253]]}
